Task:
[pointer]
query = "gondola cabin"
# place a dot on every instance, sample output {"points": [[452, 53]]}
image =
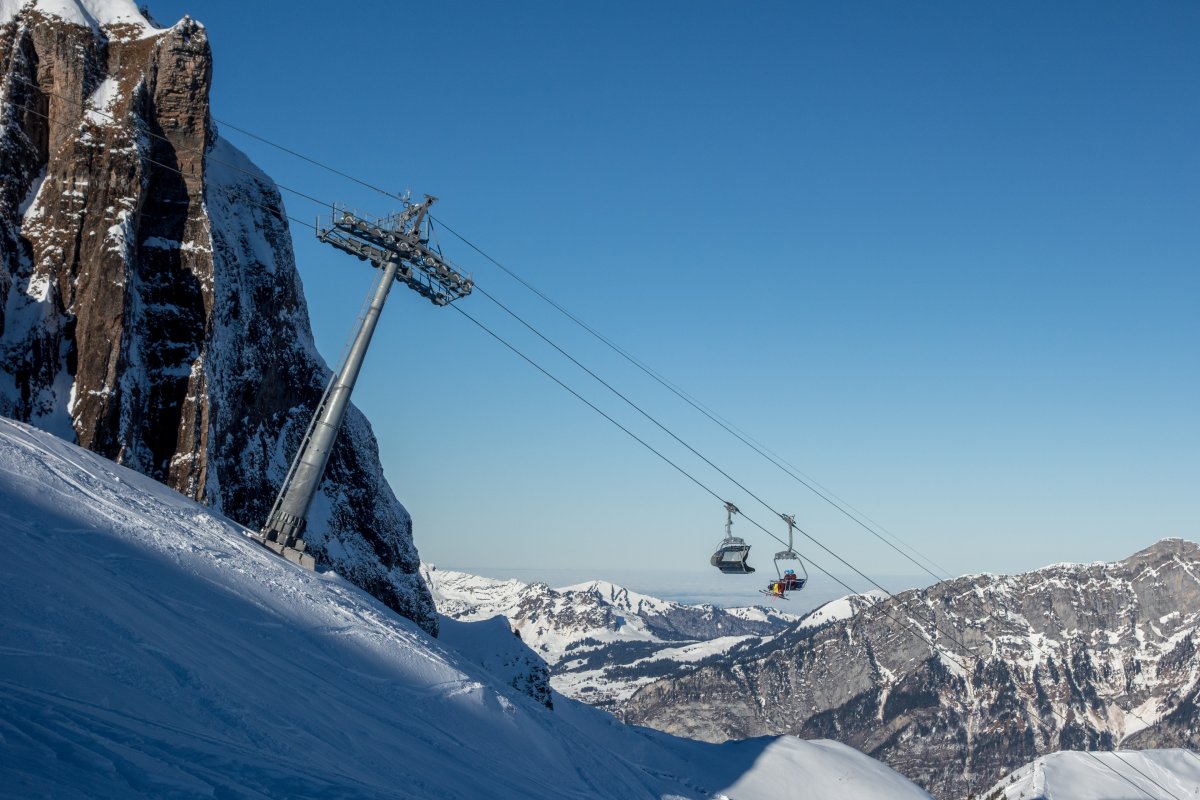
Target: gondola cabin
{"points": [[731, 556]]}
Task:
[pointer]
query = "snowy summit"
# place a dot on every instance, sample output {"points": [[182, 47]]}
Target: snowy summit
{"points": [[96, 14]]}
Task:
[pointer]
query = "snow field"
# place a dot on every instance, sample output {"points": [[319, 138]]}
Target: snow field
{"points": [[1132, 774]]}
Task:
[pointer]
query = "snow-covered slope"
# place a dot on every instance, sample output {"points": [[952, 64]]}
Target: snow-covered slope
{"points": [[602, 641], [1134, 774], [149, 649], [840, 609]]}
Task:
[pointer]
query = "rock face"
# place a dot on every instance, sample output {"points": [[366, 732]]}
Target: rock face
{"points": [[1067, 657], [150, 307], [493, 645]]}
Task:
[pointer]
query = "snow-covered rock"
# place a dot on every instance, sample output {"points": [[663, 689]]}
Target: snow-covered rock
{"points": [[495, 647], [112, 16], [840, 609], [148, 648], [150, 308]]}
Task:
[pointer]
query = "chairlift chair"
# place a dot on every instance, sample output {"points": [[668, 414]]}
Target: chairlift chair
{"points": [[789, 580], [731, 554]]}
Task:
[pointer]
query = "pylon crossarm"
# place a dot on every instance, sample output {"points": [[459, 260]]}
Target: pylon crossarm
{"points": [[398, 238]]}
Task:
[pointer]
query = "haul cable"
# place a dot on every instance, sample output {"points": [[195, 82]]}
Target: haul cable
{"points": [[877, 606], [809, 483]]}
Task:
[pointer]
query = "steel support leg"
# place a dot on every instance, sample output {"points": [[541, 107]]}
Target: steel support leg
{"points": [[284, 531]]}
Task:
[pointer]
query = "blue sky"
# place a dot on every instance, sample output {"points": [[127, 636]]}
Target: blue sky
{"points": [[940, 256]]}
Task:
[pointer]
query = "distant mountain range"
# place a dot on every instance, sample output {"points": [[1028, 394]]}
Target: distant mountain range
{"points": [[954, 686], [960, 683], [603, 641]]}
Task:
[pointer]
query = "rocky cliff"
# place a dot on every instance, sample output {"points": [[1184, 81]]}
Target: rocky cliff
{"points": [[1067, 657], [150, 307]]}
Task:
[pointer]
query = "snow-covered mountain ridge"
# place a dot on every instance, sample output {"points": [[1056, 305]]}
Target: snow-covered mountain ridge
{"points": [[552, 620], [1069, 656], [601, 641], [148, 648]]}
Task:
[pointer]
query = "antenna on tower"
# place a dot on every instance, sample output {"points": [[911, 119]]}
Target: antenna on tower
{"points": [[396, 244]]}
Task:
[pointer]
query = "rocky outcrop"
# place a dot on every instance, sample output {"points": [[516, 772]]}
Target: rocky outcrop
{"points": [[150, 307], [1067, 657], [493, 645]]}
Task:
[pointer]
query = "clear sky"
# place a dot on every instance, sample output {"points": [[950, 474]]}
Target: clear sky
{"points": [[941, 256]]}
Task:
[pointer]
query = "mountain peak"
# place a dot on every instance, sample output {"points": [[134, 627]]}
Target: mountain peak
{"points": [[95, 14], [1170, 546]]}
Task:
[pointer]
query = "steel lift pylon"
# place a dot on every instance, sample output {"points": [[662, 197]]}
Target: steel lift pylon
{"points": [[396, 245]]}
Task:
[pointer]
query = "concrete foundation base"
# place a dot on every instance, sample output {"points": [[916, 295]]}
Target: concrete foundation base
{"points": [[290, 553]]}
